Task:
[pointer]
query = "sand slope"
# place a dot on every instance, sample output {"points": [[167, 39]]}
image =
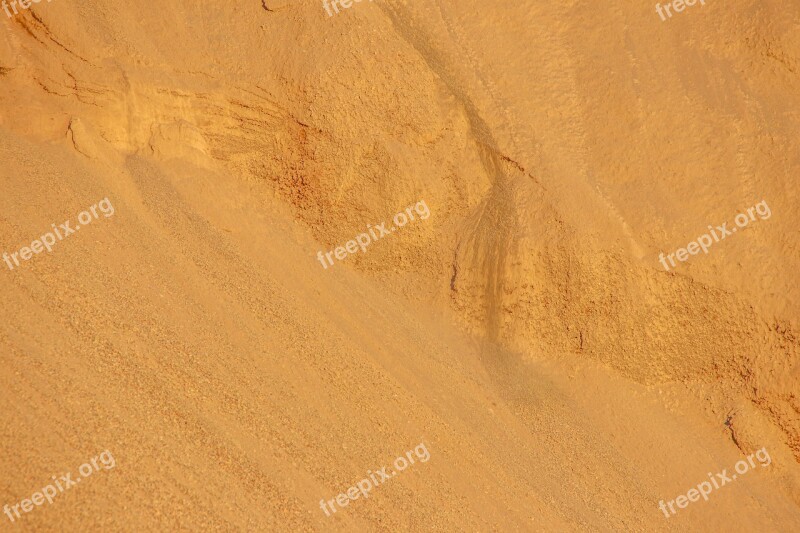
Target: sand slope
{"points": [[526, 332]]}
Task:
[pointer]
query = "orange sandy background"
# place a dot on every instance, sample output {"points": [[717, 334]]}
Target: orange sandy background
{"points": [[526, 332]]}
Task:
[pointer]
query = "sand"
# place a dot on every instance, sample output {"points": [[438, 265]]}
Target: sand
{"points": [[526, 332]]}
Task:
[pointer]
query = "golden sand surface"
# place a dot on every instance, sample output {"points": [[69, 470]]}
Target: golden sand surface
{"points": [[525, 333]]}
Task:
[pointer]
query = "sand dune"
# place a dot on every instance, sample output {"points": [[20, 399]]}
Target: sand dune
{"points": [[525, 333]]}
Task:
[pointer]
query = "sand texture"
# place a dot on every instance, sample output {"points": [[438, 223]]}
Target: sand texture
{"points": [[524, 331]]}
